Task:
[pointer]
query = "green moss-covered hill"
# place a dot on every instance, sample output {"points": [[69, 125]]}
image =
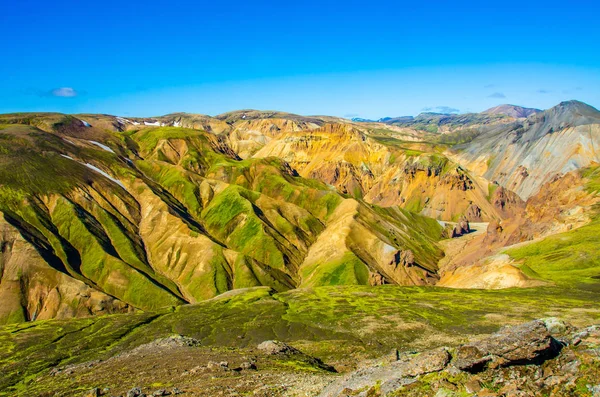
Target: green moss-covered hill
{"points": [[96, 220]]}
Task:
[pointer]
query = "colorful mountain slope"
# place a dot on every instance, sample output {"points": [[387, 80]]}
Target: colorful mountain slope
{"points": [[97, 221], [524, 155]]}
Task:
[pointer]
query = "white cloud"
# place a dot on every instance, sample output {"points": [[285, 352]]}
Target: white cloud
{"points": [[66, 92], [441, 109]]}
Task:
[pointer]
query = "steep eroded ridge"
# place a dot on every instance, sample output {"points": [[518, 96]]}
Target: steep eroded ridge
{"points": [[108, 221]]}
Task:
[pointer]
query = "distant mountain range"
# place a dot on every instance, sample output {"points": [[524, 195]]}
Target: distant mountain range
{"points": [[506, 110]]}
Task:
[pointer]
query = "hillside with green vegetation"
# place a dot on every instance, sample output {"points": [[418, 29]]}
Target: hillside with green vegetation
{"points": [[569, 260], [97, 221]]}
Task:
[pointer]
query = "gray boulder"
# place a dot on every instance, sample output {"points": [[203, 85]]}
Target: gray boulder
{"points": [[528, 343]]}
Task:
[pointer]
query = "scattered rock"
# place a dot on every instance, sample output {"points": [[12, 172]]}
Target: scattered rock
{"points": [[395, 384], [392, 376], [393, 355], [161, 392], [594, 389], [71, 369], [473, 386], [426, 362], [589, 334], [248, 365], [222, 366], [522, 360], [554, 325], [135, 392], [275, 347], [95, 392], [174, 341]]}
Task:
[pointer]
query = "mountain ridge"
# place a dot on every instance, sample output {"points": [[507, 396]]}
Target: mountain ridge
{"points": [[100, 207], [512, 111]]}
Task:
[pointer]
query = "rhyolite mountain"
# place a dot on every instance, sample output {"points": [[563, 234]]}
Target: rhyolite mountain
{"points": [[105, 214], [512, 111], [525, 154], [96, 221]]}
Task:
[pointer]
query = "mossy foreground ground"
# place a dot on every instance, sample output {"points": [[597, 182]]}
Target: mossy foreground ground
{"points": [[340, 325]]}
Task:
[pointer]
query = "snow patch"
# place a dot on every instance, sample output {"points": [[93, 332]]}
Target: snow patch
{"points": [[156, 123], [122, 120], [102, 146], [177, 124], [85, 123], [98, 170]]}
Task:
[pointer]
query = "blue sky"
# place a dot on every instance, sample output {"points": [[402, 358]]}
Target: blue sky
{"points": [[351, 58]]}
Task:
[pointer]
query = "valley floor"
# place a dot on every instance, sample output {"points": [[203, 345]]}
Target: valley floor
{"points": [[342, 326]]}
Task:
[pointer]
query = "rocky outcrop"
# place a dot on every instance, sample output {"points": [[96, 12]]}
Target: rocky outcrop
{"points": [[473, 213], [392, 376], [461, 228], [281, 349], [528, 343], [507, 202], [542, 356], [277, 347]]}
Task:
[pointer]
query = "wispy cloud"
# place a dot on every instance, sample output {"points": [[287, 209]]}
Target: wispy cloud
{"points": [[543, 91], [499, 95], [441, 109], [60, 92], [64, 92]]}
